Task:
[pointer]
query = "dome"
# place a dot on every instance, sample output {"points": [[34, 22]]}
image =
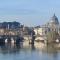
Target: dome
{"points": [[54, 20]]}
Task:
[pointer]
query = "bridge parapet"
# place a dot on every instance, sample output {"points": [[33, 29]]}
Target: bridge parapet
{"points": [[9, 32]]}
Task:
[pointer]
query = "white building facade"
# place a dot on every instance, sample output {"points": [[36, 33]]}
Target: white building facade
{"points": [[52, 25]]}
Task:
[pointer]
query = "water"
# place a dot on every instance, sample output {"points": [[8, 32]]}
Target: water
{"points": [[17, 52]]}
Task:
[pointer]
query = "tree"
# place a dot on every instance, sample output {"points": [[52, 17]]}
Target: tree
{"points": [[52, 36]]}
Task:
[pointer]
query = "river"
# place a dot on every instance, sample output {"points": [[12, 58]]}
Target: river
{"points": [[17, 52]]}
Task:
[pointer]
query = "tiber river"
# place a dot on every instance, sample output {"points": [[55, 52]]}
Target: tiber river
{"points": [[17, 52]]}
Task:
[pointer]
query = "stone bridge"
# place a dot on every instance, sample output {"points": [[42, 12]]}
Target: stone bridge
{"points": [[14, 36]]}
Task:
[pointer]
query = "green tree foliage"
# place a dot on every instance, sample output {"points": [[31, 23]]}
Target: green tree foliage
{"points": [[52, 36]]}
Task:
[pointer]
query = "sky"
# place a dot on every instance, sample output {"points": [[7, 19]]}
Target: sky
{"points": [[29, 12]]}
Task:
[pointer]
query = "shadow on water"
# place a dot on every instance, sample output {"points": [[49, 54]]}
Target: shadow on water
{"points": [[51, 53], [49, 49], [48, 53], [9, 48], [32, 47], [13, 48]]}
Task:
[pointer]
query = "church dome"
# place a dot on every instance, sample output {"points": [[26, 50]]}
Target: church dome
{"points": [[54, 20]]}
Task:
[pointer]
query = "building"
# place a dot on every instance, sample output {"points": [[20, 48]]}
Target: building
{"points": [[40, 33], [52, 25]]}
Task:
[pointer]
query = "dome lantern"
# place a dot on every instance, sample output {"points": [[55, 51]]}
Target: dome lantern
{"points": [[54, 20]]}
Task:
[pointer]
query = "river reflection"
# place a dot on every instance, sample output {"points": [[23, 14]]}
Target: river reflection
{"points": [[18, 52]]}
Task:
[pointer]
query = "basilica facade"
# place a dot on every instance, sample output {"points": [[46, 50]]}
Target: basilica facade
{"points": [[51, 25]]}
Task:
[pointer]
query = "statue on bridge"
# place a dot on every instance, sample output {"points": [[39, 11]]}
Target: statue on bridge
{"points": [[33, 37]]}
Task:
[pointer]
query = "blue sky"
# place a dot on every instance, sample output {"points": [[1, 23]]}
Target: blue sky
{"points": [[29, 12]]}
